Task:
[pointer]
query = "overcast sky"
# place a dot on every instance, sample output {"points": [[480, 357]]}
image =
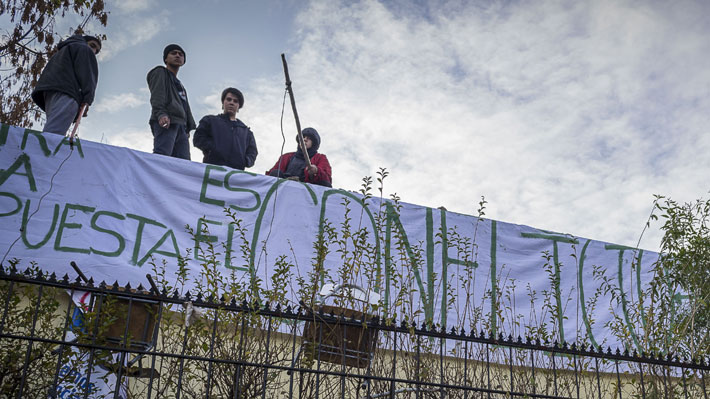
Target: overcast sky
{"points": [[566, 116]]}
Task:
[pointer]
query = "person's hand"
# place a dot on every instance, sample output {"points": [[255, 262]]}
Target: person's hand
{"points": [[86, 112], [312, 170], [164, 121]]}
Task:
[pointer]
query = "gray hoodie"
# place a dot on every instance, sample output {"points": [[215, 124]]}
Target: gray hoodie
{"points": [[165, 100]]}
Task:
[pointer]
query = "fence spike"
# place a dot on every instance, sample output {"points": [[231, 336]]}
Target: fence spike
{"points": [[140, 288]]}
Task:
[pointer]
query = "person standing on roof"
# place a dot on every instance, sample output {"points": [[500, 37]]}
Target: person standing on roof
{"points": [[68, 82], [170, 118], [293, 164], [224, 139]]}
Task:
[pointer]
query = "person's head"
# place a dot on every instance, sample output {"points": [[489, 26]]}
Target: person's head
{"points": [[174, 56], [93, 42], [311, 138], [232, 101]]}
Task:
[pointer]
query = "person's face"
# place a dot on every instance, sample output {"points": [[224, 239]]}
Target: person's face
{"points": [[308, 142], [94, 45], [230, 105], [175, 58]]}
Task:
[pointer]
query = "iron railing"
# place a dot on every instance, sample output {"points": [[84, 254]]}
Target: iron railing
{"points": [[145, 343]]}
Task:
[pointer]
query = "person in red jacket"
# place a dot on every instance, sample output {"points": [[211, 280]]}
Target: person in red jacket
{"points": [[293, 165]]}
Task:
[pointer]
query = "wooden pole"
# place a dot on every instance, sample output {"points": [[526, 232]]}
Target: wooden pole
{"points": [[82, 111], [301, 143]]}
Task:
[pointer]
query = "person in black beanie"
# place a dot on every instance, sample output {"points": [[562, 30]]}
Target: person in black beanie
{"points": [[170, 118], [68, 82], [293, 164]]}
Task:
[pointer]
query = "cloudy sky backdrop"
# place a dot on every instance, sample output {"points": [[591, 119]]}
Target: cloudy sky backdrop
{"points": [[566, 116]]}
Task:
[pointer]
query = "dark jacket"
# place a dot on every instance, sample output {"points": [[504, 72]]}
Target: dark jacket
{"points": [[322, 178], [225, 142], [165, 100], [72, 70]]}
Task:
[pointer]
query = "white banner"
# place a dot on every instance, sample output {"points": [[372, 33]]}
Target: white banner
{"points": [[114, 210]]}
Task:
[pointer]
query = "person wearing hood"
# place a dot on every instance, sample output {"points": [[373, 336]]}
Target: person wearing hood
{"points": [[68, 82], [293, 165], [170, 117], [224, 139]]}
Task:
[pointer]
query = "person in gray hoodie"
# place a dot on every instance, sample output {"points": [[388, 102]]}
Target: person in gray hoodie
{"points": [[170, 118], [68, 82]]}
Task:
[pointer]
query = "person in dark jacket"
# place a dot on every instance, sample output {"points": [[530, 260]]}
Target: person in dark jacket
{"points": [[293, 165], [68, 82], [224, 139], [170, 118]]}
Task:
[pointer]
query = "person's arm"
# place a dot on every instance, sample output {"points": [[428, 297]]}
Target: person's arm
{"points": [[280, 165], [189, 120], [203, 136], [251, 151], [86, 70], [157, 84], [322, 175]]}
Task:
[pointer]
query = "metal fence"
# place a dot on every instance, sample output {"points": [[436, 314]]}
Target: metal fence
{"points": [[138, 343]]}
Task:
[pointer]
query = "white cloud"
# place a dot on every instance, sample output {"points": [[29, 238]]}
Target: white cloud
{"points": [[566, 116], [132, 31], [131, 6], [137, 139], [121, 101]]}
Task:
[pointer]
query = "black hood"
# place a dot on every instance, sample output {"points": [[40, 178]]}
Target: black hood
{"points": [[70, 40], [313, 134]]}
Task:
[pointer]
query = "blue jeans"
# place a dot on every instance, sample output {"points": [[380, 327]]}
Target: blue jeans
{"points": [[171, 141]]}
